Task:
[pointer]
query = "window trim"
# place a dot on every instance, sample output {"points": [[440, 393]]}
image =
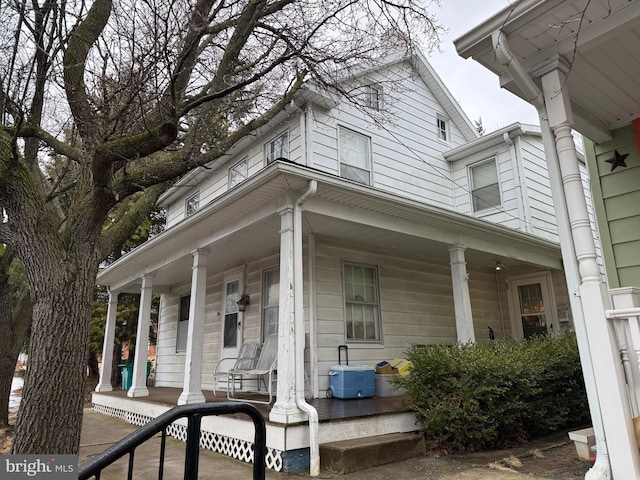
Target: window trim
{"points": [[188, 212], [284, 133], [369, 169], [367, 91], [184, 321], [233, 167], [263, 306], [545, 279], [447, 128], [378, 308], [490, 208]]}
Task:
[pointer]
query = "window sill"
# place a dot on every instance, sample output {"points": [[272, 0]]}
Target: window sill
{"points": [[359, 345]]}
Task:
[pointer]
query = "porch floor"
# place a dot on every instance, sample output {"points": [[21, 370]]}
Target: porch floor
{"points": [[328, 408]]}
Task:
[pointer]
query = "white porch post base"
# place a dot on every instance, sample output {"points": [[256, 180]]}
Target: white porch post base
{"points": [[103, 388], [138, 392], [187, 398], [286, 414]]}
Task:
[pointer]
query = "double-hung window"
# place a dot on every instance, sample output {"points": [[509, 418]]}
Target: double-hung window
{"points": [[485, 188], [355, 156], [270, 301], [362, 304], [183, 323], [442, 129], [277, 148]]}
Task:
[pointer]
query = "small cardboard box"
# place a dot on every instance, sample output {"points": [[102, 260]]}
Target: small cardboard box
{"points": [[385, 368]]}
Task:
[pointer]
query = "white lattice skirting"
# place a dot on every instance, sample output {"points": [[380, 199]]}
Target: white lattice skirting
{"points": [[232, 447]]}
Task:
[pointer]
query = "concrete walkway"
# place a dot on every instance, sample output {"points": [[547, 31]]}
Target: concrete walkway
{"points": [[100, 431]]}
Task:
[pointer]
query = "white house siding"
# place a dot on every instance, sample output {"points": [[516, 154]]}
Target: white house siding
{"points": [[213, 183], [416, 305], [510, 213], [541, 212], [407, 157], [169, 363]]}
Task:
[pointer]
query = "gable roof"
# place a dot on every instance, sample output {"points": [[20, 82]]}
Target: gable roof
{"points": [[309, 94]]}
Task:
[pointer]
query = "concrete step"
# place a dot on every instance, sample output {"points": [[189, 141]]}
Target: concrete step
{"points": [[348, 456]]}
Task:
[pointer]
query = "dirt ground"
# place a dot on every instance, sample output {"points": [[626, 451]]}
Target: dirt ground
{"points": [[559, 462]]}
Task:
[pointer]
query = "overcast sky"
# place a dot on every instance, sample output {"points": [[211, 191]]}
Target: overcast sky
{"points": [[473, 86]]}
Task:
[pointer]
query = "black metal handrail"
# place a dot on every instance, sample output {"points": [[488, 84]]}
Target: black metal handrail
{"points": [[194, 414]]}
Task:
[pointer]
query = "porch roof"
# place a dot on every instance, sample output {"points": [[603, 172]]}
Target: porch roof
{"points": [[596, 42], [243, 225]]}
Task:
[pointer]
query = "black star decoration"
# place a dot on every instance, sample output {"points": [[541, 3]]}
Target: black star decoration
{"points": [[617, 160]]}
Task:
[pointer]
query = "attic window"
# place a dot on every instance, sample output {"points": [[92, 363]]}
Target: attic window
{"points": [[371, 97], [442, 125], [277, 148], [192, 204], [238, 173]]}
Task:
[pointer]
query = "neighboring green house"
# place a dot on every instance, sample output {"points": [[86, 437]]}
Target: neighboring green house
{"points": [[577, 62], [617, 204]]}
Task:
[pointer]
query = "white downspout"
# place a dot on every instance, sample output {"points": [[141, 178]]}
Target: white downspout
{"points": [[601, 469], [516, 165], [314, 441]]}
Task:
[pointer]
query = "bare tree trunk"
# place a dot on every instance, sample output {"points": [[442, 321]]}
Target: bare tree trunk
{"points": [[55, 380]]}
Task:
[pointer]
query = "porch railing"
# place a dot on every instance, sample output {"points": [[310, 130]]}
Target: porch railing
{"points": [[193, 413], [626, 325]]}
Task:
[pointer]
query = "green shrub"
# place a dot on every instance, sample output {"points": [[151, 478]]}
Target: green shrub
{"points": [[478, 396]]}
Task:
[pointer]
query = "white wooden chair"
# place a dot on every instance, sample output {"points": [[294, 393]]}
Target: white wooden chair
{"points": [[246, 360], [265, 367]]}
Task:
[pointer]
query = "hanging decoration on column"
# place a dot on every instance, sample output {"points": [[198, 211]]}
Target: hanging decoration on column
{"points": [[617, 160]]}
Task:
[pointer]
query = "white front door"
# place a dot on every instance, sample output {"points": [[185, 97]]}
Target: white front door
{"points": [[532, 304]]}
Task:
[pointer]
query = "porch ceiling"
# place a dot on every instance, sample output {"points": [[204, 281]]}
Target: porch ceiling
{"points": [[244, 225], [599, 46]]}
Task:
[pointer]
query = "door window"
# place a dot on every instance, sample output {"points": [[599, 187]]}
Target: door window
{"points": [[532, 305], [230, 329]]}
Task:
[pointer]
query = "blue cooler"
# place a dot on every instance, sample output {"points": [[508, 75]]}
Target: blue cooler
{"points": [[352, 381]]}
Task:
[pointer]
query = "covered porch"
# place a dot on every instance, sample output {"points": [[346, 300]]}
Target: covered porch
{"points": [[438, 283]]}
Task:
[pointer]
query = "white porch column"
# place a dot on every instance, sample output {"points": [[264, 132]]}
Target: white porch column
{"points": [[192, 389], [104, 385], [461, 298], [285, 409], [607, 368], [139, 383]]}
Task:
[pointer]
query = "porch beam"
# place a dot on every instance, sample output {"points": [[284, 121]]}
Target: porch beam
{"points": [[192, 388], [490, 239], [461, 297], [608, 370], [104, 385], [139, 383]]}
